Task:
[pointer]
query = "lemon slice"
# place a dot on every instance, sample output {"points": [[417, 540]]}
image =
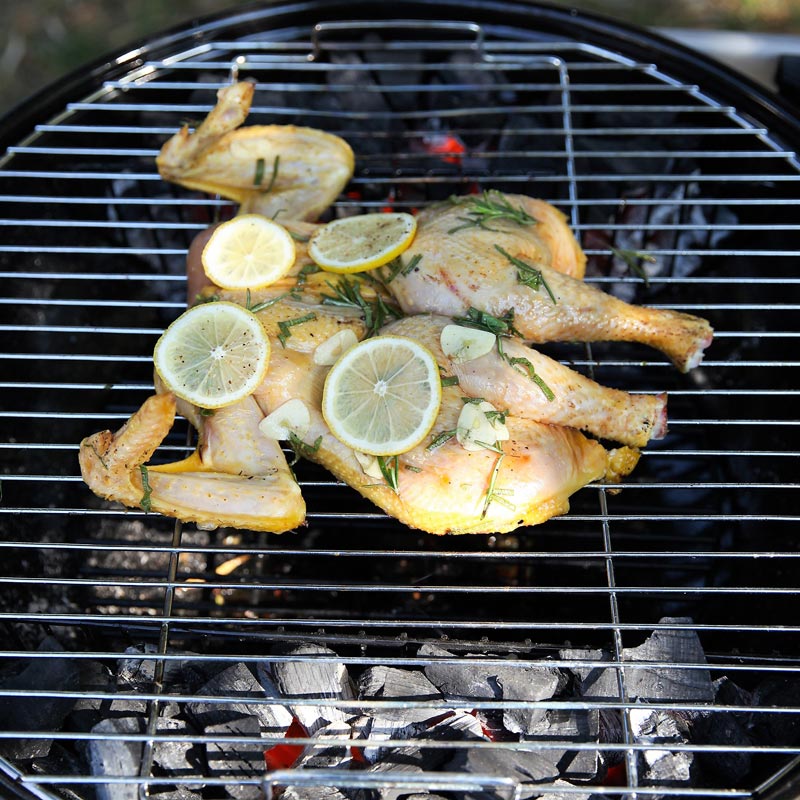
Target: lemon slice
{"points": [[354, 244], [382, 396], [248, 252], [213, 355]]}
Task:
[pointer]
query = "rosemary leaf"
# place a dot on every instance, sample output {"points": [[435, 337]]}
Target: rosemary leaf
{"points": [[285, 326], [490, 492], [526, 274], [259, 177], [439, 440], [267, 303], [147, 490], [449, 380], [411, 468], [389, 466], [347, 293], [301, 448], [633, 259]]}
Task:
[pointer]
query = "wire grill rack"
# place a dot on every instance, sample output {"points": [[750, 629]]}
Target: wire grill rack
{"points": [[702, 538]]}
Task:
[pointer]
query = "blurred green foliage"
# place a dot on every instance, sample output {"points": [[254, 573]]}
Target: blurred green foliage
{"points": [[41, 40]]}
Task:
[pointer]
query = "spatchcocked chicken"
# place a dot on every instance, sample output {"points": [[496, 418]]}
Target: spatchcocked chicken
{"points": [[505, 263]]}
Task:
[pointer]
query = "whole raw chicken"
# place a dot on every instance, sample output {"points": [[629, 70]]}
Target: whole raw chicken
{"points": [[510, 257]]}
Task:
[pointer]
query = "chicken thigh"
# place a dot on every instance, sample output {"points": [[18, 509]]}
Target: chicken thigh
{"points": [[462, 265]]}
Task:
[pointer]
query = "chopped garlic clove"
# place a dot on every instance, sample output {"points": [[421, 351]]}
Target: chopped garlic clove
{"points": [[475, 431], [369, 464], [329, 351], [464, 344], [292, 417]]}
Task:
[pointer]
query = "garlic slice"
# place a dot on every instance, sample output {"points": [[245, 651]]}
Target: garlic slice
{"points": [[327, 354], [369, 464], [292, 417], [464, 344], [475, 431]]}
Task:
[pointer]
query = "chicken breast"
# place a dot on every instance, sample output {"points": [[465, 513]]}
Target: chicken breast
{"points": [[448, 489]]}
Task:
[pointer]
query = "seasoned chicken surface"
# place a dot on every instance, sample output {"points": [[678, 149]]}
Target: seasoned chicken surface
{"points": [[448, 489], [460, 267], [237, 477], [284, 170], [577, 402], [511, 258]]}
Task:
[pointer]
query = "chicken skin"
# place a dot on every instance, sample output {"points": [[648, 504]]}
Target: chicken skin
{"points": [[577, 402], [273, 170], [448, 489], [236, 477], [462, 265]]}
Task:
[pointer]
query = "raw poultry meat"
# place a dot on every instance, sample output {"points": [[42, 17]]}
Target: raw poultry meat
{"points": [[268, 169], [448, 489], [465, 265], [236, 476], [524, 268], [578, 402]]}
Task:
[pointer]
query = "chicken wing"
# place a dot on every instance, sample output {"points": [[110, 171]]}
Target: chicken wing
{"points": [[463, 263], [237, 476], [578, 402], [293, 171]]}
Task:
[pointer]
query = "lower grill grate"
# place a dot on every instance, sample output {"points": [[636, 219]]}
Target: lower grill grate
{"points": [[677, 595]]}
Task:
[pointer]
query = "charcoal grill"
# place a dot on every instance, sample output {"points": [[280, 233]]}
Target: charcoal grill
{"points": [[647, 147]]}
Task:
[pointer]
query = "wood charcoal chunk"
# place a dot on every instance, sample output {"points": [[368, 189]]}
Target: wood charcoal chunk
{"points": [[314, 676], [116, 756], [527, 684], [526, 767], [238, 684], [313, 793], [332, 756], [236, 761], [665, 682]]}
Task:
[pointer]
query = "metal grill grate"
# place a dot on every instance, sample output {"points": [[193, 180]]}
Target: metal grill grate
{"points": [[699, 543]]}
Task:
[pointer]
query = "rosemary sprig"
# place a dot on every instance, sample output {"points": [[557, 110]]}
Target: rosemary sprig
{"points": [[503, 328], [438, 441], [526, 274], [525, 367], [200, 299], [347, 293], [489, 206], [493, 494], [389, 467], [147, 490], [301, 448], [395, 267], [633, 259], [285, 326]]}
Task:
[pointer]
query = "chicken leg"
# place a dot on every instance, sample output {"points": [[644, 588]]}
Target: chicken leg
{"points": [[463, 266]]}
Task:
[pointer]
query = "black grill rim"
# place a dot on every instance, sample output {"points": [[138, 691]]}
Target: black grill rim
{"points": [[521, 19]]}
